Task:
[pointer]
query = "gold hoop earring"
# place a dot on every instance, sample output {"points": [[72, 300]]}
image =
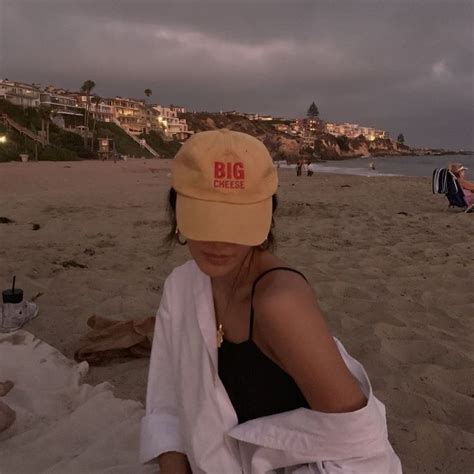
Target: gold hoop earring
{"points": [[177, 236]]}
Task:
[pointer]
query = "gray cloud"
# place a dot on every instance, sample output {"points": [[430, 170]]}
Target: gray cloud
{"points": [[403, 66]]}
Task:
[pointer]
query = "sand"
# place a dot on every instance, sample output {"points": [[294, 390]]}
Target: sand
{"points": [[391, 265]]}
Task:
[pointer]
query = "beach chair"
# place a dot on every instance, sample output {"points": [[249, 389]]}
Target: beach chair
{"points": [[445, 182]]}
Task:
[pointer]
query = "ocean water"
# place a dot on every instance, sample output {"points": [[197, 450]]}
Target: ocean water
{"points": [[396, 166]]}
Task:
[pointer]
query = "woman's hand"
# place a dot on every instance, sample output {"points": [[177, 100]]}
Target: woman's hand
{"points": [[174, 463]]}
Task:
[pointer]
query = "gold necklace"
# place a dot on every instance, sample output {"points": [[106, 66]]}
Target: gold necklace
{"points": [[220, 328], [219, 335]]}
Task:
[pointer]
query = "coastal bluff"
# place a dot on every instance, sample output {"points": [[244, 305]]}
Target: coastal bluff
{"points": [[284, 146]]}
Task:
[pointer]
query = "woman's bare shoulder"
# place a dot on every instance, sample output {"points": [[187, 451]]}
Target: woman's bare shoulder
{"points": [[284, 299], [275, 272], [289, 326], [280, 284]]}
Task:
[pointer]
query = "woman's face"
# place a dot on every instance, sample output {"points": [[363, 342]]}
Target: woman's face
{"points": [[218, 259]]}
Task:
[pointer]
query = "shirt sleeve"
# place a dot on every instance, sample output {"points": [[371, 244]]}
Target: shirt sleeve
{"points": [[330, 443], [160, 427]]}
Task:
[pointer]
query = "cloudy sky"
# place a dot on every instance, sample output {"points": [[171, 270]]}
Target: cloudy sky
{"points": [[401, 65]]}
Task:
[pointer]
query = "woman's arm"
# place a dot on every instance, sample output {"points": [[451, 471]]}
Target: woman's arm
{"points": [[466, 184], [173, 462], [290, 329], [289, 326]]}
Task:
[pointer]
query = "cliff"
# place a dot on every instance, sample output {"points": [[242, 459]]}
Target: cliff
{"points": [[283, 146], [329, 147]]}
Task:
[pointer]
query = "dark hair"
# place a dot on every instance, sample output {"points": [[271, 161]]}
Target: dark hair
{"points": [[269, 244]]}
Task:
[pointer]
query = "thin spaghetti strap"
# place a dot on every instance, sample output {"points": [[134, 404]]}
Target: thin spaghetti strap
{"points": [[253, 292]]}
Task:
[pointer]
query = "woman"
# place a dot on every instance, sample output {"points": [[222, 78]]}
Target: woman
{"points": [[304, 168], [468, 187], [244, 374]]}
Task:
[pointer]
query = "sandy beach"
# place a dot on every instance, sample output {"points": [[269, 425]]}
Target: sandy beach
{"points": [[393, 270]]}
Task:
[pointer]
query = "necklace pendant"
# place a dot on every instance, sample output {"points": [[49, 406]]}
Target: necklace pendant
{"points": [[220, 336]]}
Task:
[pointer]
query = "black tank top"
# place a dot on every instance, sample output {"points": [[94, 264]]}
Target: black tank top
{"points": [[255, 384]]}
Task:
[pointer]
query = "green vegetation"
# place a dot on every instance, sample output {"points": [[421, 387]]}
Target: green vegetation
{"points": [[65, 145], [313, 111], [9, 150], [86, 88], [28, 117], [343, 142], [201, 121], [124, 145], [69, 141], [166, 149], [17, 143]]}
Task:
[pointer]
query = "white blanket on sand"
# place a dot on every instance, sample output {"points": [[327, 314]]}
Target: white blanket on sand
{"points": [[62, 425]]}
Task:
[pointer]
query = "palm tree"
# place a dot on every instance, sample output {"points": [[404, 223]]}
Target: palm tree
{"points": [[87, 88], [148, 93], [45, 114], [96, 100], [313, 111]]}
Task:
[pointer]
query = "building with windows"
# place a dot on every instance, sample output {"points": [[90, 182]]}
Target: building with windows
{"points": [[18, 93], [60, 102], [353, 130], [99, 109], [251, 116], [68, 109], [310, 126], [131, 113], [173, 126], [153, 119], [178, 109], [282, 127]]}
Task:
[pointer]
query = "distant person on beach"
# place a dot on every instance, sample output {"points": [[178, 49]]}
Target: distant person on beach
{"points": [[467, 186], [372, 166], [310, 169], [304, 168], [245, 376], [299, 165]]}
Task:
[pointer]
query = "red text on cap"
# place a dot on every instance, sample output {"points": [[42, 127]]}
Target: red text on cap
{"points": [[229, 175]]}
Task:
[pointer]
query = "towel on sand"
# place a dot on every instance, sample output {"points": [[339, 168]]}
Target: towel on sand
{"points": [[62, 425], [109, 339]]}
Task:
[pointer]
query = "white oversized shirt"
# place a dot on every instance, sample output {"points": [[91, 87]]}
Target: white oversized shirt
{"points": [[188, 409]]}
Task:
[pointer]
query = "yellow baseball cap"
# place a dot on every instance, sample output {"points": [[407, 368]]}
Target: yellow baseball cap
{"points": [[224, 181]]}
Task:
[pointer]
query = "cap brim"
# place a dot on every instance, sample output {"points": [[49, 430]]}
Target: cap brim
{"points": [[245, 224]]}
